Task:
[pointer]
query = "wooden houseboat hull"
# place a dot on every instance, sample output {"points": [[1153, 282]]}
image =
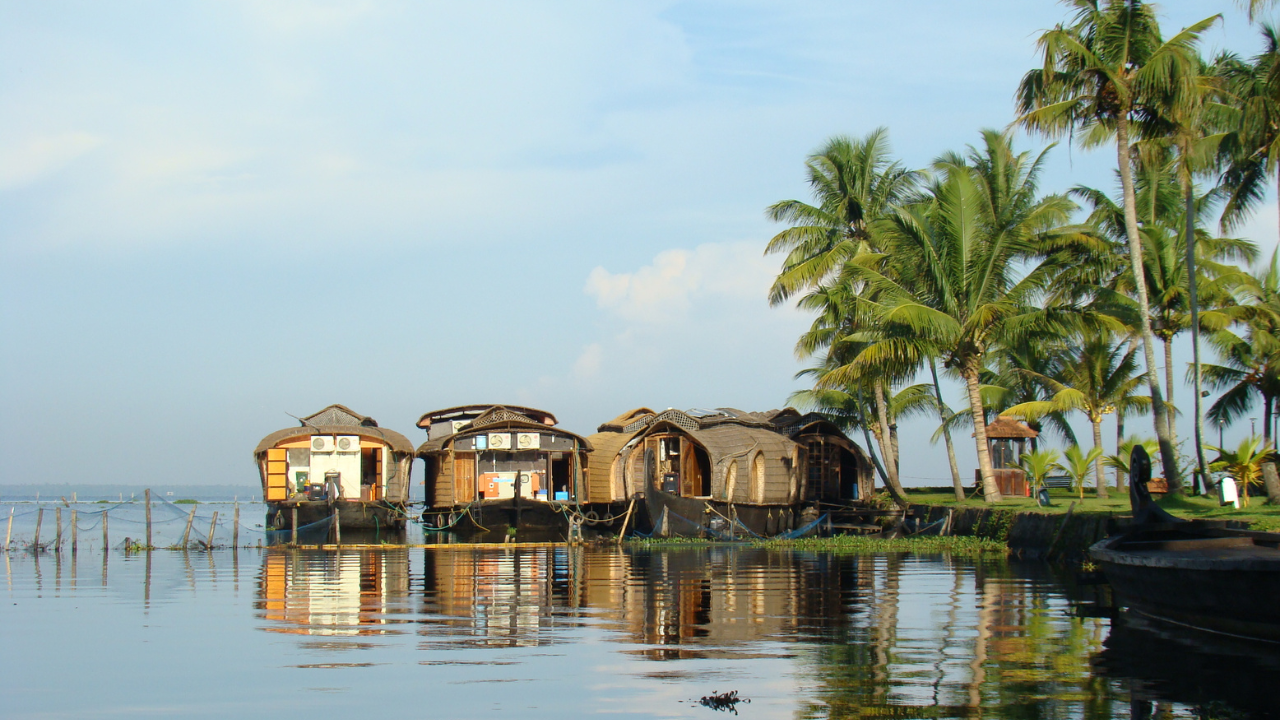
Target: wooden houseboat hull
{"points": [[704, 517], [532, 521], [352, 515]]}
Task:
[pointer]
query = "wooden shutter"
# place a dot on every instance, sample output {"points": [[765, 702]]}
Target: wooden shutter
{"points": [[464, 477], [277, 475]]}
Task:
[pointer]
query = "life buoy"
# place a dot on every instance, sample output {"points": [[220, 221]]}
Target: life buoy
{"points": [[592, 517]]}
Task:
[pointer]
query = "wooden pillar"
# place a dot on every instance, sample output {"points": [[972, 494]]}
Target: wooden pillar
{"points": [[213, 526], [235, 527], [74, 528], [57, 536], [337, 526], [293, 535], [148, 496], [106, 541], [186, 534], [39, 520]]}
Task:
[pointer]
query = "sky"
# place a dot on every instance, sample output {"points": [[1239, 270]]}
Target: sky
{"points": [[217, 214]]}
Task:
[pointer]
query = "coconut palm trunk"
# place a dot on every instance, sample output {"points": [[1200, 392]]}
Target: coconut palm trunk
{"points": [[1194, 301], [1167, 346], [1123, 158], [990, 490], [1120, 476], [946, 434], [887, 452], [1098, 478]]}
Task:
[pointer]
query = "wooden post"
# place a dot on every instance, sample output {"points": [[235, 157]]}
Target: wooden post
{"points": [[73, 532], [8, 533], [235, 527], [186, 534], [39, 520], [148, 518], [57, 536], [337, 526], [293, 535], [626, 520], [212, 527], [106, 542]]}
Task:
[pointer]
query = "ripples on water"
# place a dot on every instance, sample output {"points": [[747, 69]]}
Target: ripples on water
{"points": [[560, 632]]}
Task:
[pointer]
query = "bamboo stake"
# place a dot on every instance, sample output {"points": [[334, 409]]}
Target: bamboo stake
{"points": [[57, 536], [73, 532], [213, 525], [39, 520], [8, 533], [186, 534], [106, 542], [626, 520], [293, 535], [337, 527], [148, 518], [235, 528]]}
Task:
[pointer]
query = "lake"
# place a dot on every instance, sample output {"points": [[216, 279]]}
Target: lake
{"points": [[558, 632]]}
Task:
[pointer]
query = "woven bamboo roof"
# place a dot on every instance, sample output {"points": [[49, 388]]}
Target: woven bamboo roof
{"points": [[443, 443], [395, 440], [617, 424], [475, 411]]}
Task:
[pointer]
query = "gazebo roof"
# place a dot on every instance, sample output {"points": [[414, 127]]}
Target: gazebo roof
{"points": [[1005, 427]]}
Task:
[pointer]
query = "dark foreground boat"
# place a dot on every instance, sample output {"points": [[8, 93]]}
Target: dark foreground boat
{"points": [[1202, 574]]}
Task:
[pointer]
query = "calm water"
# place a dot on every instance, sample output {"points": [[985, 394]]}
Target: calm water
{"points": [[558, 633]]}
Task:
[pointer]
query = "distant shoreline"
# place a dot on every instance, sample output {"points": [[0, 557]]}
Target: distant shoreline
{"points": [[83, 492]]}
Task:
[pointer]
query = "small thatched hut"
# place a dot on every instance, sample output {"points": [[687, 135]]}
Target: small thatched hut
{"points": [[1007, 441], [336, 459]]}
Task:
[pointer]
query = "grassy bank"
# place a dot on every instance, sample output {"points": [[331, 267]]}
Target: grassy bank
{"points": [[1258, 515]]}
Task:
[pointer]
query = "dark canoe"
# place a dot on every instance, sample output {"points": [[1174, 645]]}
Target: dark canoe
{"points": [[1199, 574], [1196, 573]]}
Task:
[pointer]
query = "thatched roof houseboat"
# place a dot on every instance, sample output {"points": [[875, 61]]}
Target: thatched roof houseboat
{"points": [[490, 467], [710, 468], [336, 460]]}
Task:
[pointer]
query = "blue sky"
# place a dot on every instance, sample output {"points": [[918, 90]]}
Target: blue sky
{"points": [[214, 214]]}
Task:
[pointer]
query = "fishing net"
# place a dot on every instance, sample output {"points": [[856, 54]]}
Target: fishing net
{"points": [[194, 526]]}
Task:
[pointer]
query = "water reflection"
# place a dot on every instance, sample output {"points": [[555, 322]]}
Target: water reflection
{"points": [[352, 592], [837, 636]]}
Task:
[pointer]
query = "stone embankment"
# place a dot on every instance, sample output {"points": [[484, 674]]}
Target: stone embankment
{"points": [[1058, 536]]}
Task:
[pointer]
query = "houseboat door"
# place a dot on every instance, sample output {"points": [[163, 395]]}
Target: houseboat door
{"points": [[464, 477]]}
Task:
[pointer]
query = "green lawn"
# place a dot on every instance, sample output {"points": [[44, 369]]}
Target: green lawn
{"points": [[1258, 515]]}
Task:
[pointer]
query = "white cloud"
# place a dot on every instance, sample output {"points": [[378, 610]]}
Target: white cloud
{"points": [[588, 363], [665, 290], [38, 156]]}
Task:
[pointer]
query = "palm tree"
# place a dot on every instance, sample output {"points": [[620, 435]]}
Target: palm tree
{"points": [[1097, 377], [1255, 6], [1252, 147], [961, 270], [1124, 451], [1102, 72], [1038, 464], [1244, 463], [1080, 464], [1251, 364], [854, 183]]}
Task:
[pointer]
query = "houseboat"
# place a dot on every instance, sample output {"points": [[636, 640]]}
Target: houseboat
{"points": [[490, 468], [725, 471], [335, 463]]}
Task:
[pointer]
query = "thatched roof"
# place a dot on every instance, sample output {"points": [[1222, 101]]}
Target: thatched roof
{"points": [[1006, 427], [622, 421], [442, 443], [463, 412], [723, 440], [395, 440], [339, 415]]}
